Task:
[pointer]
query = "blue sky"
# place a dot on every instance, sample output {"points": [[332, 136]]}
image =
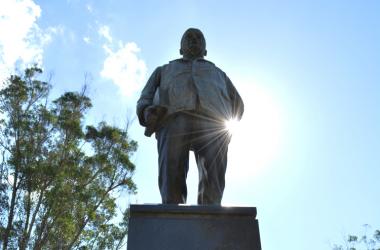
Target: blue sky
{"points": [[307, 151]]}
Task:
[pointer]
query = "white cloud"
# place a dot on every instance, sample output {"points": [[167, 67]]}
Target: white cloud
{"points": [[21, 39], [124, 67], [86, 39], [89, 8], [58, 30], [104, 31]]}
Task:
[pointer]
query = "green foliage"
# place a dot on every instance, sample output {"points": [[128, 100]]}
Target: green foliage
{"points": [[58, 181], [364, 242]]}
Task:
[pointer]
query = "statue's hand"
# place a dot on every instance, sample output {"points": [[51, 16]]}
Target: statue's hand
{"points": [[150, 116]]}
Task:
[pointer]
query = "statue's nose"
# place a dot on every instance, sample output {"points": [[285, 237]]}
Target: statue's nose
{"points": [[193, 41]]}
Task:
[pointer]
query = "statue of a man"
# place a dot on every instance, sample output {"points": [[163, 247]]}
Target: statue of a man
{"points": [[186, 104]]}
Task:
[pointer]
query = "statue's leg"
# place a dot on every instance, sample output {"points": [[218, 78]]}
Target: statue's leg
{"points": [[173, 150], [211, 158]]}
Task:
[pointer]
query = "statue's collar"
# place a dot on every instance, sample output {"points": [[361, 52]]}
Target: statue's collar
{"points": [[200, 59]]}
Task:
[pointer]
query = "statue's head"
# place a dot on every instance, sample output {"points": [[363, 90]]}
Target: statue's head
{"points": [[193, 44]]}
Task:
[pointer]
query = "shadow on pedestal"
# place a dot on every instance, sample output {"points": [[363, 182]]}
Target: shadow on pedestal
{"points": [[172, 227]]}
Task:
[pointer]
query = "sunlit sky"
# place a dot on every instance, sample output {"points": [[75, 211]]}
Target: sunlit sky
{"points": [[307, 151]]}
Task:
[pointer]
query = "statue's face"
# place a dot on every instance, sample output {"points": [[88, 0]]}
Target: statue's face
{"points": [[193, 44]]}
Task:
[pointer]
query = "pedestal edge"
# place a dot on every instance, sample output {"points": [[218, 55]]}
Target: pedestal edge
{"points": [[142, 209]]}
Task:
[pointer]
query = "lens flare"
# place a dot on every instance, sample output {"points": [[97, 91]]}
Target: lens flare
{"points": [[231, 126]]}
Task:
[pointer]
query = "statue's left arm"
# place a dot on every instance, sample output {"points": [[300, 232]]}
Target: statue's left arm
{"points": [[236, 101]]}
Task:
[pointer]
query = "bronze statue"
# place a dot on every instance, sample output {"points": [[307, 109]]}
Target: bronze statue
{"points": [[186, 104]]}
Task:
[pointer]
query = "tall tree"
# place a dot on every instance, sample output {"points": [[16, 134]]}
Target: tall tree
{"points": [[58, 180]]}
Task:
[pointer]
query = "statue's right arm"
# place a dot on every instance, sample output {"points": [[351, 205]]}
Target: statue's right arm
{"points": [[147, 95]]}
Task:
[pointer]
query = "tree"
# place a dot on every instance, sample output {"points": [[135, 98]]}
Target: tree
{"points": [[59, 180], [364, 242]]}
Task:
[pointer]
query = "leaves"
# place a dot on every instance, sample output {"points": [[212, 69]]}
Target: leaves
{"points": [[57, 181], [364, 242]]}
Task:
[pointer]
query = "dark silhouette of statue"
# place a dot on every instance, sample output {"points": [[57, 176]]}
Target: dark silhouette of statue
{"points": [[186, 104]]}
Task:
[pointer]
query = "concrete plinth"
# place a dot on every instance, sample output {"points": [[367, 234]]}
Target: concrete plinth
{"points": [[172, 227]]}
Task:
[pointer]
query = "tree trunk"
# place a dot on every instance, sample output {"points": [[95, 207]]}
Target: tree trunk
{"points": [[11, 212], [24, 237]]}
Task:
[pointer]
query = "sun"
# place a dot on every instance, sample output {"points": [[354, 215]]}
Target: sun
{"points": [[231, 125], [255, 140]]}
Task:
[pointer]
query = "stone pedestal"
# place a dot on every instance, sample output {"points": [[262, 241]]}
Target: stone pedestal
{"points": [[172, 227]]}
